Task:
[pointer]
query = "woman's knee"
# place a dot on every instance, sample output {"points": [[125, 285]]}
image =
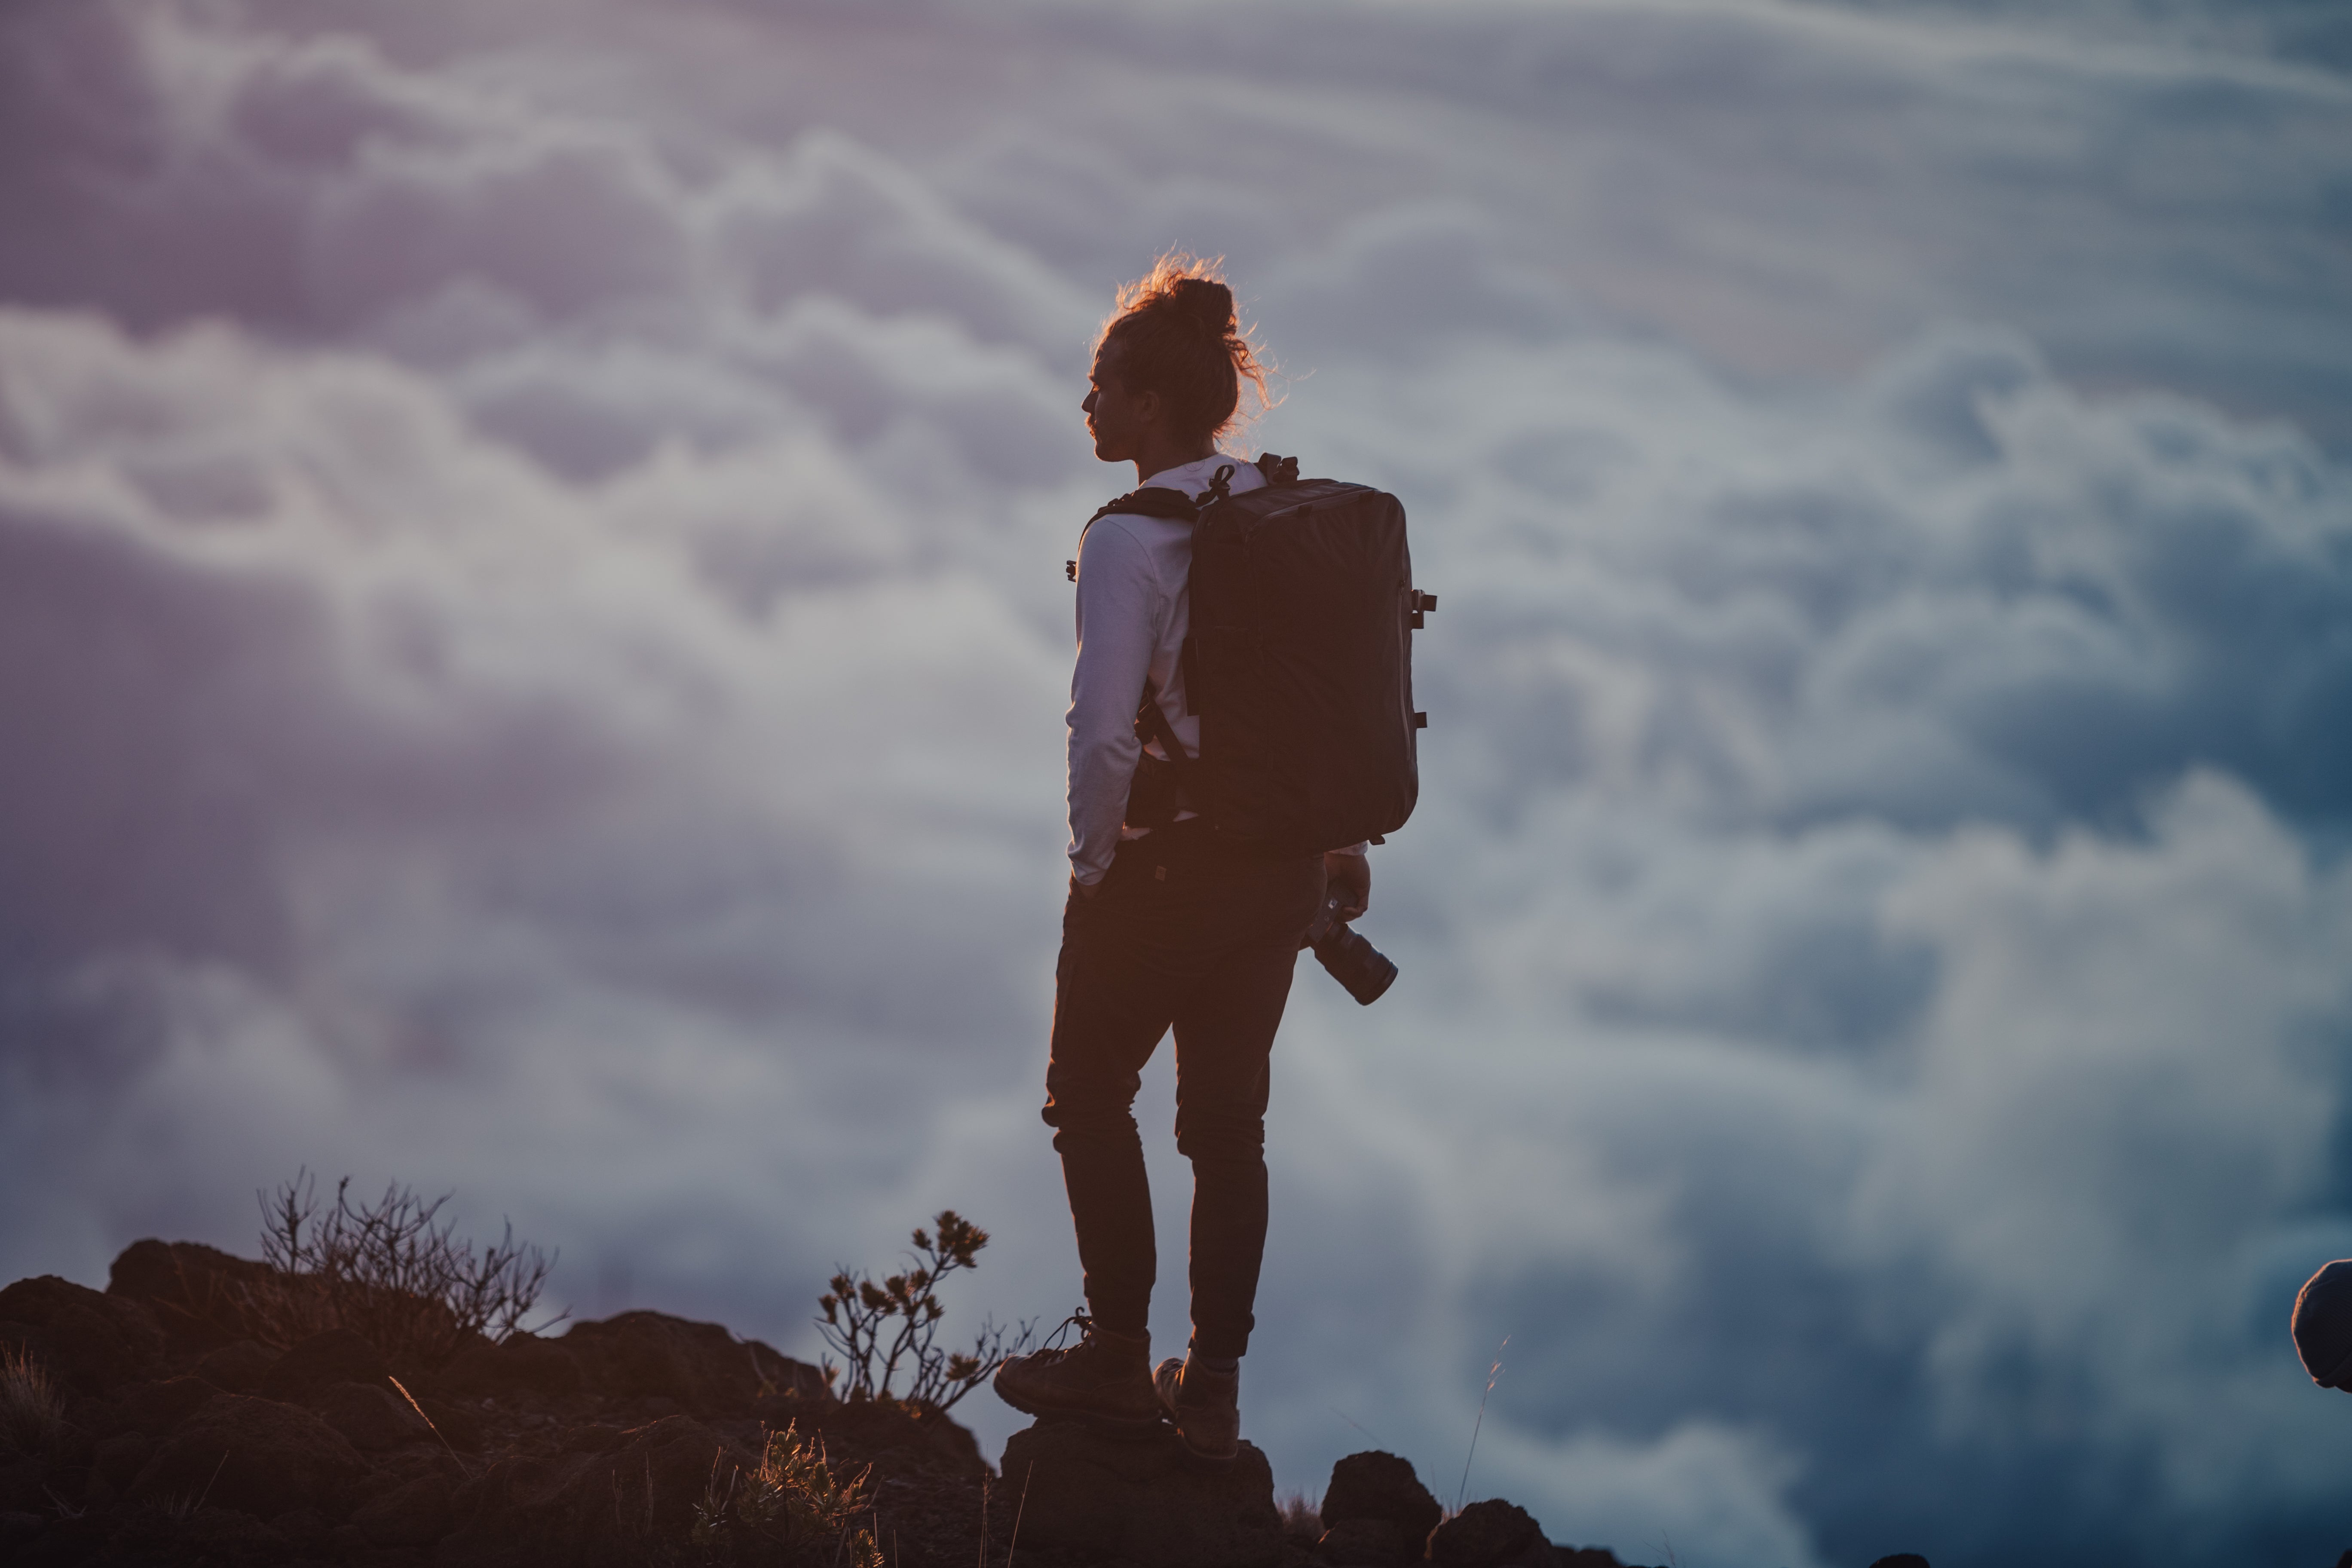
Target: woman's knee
{"points": [[1094, 1116], [1220, 1135]]}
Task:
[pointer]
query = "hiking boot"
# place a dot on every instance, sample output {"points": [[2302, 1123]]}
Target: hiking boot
{"points": [[1105, 1378], [1204, 1405]]}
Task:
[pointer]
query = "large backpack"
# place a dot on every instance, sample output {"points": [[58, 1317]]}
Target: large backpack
{"points": [[1298, 664]]}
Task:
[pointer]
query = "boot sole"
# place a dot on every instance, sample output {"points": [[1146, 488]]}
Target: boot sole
{"points": [[1106, 1420], [1203, 1456]]}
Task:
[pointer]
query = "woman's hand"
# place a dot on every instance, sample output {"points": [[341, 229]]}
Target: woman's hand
{"points": [[1350, 876]]}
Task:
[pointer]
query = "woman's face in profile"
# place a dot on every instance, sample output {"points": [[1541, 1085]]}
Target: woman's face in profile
{"points": [[1116, 417]]}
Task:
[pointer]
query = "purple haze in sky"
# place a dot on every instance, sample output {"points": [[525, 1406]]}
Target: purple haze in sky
{"points": [[532, 645]]}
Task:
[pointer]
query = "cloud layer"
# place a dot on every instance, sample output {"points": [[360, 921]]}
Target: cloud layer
{"points": [[531, 649]]}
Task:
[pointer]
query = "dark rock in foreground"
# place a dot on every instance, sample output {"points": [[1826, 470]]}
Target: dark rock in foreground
{"points": [[1143, 1501], [238, 1366], [588, 1508], [1378, 1485], [1366, 1543], [95, 1341], [256, 1456], [175, 1435], [198, 1294], [649, 1355], [325, 1359], [1491, 1534], [525, 1364], [371, 1419]]}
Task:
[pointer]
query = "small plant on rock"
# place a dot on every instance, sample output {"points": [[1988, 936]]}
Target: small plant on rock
{"points": [[391, 1272], [881, 1330], [793, 1504], [32, 1408]]}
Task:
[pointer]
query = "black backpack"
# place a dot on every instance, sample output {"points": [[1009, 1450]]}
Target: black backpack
{"points": [[1298, 664]]}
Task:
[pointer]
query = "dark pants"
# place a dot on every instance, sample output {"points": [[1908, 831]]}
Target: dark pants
{"points": [[1184, 932]]}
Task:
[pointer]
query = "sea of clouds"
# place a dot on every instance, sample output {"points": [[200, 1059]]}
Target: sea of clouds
{"points": [[533, 643]]}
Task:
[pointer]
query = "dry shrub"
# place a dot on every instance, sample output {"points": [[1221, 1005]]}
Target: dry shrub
{"points": [[883, 1328], [392, 1272], [32, 1407]]}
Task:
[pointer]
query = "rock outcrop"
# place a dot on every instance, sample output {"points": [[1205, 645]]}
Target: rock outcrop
{"points": [[1375, 1499], [617, 1506], [1491, 1534], [320, 1362], [257, 1456], [696, 1366], [95, 1341], [174, 1433], [1143, 1501], [180, 1436]]}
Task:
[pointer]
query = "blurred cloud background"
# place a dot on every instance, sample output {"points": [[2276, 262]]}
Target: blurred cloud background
{"points": [[532, 645]]}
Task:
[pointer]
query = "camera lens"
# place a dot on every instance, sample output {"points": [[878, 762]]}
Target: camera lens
{"points": [[1355, 964]]}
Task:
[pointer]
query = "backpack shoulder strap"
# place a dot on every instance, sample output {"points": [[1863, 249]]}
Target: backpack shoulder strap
{"points": [[1153, 500]]}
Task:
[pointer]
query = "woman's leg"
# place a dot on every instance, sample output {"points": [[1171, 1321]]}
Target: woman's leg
{"points": [[1225, 1023], [1111, 1004]]}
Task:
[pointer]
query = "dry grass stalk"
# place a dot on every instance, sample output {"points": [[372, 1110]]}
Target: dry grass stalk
{"points": [[792, 1502], [1492, 1373], [32, 1408], [1014, 1545]]}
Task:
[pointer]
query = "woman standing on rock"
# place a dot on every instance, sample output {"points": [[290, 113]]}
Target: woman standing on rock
{"points": [[1167, 925]]}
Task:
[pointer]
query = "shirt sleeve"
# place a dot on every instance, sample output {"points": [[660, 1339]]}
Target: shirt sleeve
{"points": [[1120, 612]]}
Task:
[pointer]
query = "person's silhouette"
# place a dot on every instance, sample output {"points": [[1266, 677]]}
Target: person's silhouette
{"points": [[1166, 926]]}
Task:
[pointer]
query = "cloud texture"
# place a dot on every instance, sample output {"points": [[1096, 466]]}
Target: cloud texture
{"points": [[532, 648]]}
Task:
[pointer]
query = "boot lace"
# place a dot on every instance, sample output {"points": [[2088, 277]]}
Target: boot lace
{"points": [[1085, 1325]]}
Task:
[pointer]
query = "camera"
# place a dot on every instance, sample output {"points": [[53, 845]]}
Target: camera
{"points": [[1354, 963]]}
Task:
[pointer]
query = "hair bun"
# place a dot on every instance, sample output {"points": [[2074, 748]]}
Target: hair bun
{"points": [[1205, 301], [1175, 334]]}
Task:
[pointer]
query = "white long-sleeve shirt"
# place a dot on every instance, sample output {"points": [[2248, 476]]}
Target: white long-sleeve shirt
{"points": [[1134, 608]]}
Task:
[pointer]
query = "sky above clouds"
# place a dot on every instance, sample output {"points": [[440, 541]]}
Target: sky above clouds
{"points": [[533, 646]]}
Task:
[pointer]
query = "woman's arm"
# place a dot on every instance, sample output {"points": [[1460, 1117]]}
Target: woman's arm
{"points": [[1121, 609]]}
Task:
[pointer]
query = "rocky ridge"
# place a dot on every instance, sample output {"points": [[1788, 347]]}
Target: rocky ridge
{"points": [[174, 1437]]}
